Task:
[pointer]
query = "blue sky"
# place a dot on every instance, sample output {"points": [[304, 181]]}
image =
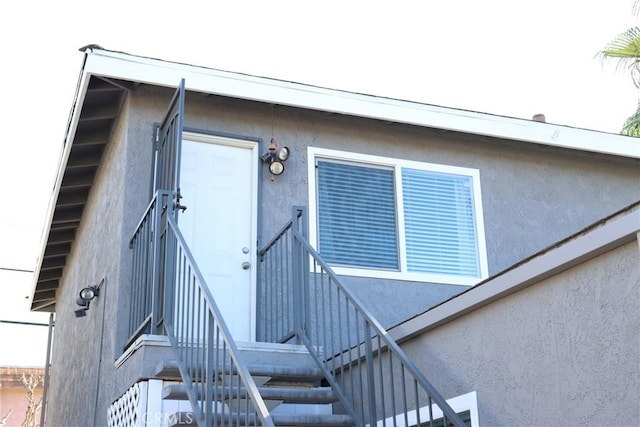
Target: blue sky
{"points": [[497, 56]]}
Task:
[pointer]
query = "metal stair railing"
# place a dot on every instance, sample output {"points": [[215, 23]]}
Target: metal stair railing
{"points": [[220, 388], [376, 381], [169, 295], [275, 288], [145, 302]]}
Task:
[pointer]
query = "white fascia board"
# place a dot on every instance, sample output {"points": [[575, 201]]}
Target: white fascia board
{"points": [[211, 81], [616, 232], [76, 109]]}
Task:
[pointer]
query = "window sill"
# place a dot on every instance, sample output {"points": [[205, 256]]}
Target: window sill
{"points": [[408, 276]]}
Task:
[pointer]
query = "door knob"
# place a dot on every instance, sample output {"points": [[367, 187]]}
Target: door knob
{"points": [[246, 265]]}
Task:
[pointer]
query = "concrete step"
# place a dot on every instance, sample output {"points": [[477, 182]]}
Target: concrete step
{"points": [[187, 419], [262, 358], [168, 370], [292, 394]]}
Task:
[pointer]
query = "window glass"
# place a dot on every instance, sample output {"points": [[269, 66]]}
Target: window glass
{"points": [[357, 215], [440, 229], [396, 219]]}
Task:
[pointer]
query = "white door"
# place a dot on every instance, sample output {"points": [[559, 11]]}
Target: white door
{"points": [[218, 182]]}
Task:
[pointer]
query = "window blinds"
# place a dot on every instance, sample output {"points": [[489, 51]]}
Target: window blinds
{"points": [[440, 227], [358, 221], [357, 215]]}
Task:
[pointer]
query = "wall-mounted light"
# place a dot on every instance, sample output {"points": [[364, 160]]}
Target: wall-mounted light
{"points": [[276, 157], [84, 299]]}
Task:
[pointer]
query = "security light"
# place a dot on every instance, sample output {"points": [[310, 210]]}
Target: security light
{"points": [[276, 168], [276, 157], [282, 153], [86, 296]]}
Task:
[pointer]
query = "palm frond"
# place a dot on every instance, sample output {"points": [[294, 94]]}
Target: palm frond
{"points": [[631, 126], [625, 48]]}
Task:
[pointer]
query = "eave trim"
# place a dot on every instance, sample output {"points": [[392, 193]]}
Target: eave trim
{"points": [[123, 66]]}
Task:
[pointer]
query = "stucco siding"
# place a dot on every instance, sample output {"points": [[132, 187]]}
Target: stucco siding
{"points": [[84, 348], [535, 196], [564, 351], [532, 197]]}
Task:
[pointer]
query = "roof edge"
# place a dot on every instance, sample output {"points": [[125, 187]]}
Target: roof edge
{"points": [[212, 81], [614, 231], [63, 158]]}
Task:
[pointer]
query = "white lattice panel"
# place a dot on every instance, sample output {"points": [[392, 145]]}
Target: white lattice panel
{"points": [[130, 409]]}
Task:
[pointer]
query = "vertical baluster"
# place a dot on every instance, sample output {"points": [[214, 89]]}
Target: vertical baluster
{"points": [[199, 358], [370, 370], [322, 321], [417, 404], [328, 322], [360, 368], [317, 284], [288, 325], [404, 395], [430, 411], [133, 304], [381, 379], [340, 343], [393, 389], [217, 363], [225, 382]]}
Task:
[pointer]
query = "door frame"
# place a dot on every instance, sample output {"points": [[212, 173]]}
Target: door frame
{"points": [[252, 144]]}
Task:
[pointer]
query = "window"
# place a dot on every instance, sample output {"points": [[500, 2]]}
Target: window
{"points": [[389, 218]]}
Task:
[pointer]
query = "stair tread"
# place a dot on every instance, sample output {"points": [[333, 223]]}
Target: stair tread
{"points": [[290, 394], [168, 370], [186, 418]]}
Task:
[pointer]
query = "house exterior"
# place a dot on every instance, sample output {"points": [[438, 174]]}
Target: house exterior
{"points": [[169, 195]]}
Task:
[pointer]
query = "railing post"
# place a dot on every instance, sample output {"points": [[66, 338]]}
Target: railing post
{"points": [[300, 272], [169, 258], [156, 296], [304, 282], [370, 376], [296, 266]]}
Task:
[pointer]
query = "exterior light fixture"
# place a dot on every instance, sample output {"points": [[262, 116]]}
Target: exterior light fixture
{"points": [[276, 157], [84, 299]]}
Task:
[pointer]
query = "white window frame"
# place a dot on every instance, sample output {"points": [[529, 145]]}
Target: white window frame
{"points": [[462, 403], [314, 153]]}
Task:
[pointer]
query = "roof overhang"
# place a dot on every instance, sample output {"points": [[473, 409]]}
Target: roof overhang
{"points": [[124, 66], [95, 110], [106, 76]]}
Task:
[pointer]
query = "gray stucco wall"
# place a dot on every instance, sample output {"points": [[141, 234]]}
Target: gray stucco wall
{"points": [[564, 351], [532, 197], [82, 374]]}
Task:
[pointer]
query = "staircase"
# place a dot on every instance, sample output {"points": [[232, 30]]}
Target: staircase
{"points": [[347, 362], [300, 299], [288, 379]]}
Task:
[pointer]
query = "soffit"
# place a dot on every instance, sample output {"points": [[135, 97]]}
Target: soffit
{"points": [[88, 135]]}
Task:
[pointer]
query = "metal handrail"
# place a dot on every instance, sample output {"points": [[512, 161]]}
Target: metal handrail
{"points": [[145, 301], [220, 388], [374, 378], [275, 289]]}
